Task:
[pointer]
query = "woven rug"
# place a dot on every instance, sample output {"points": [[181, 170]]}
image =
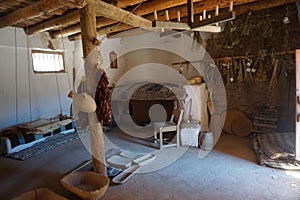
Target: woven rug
{"points": [[44, 146]]}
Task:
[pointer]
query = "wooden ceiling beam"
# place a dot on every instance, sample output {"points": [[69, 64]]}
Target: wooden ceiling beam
{"points": [[240, 8], [126, 3], [72, 18], [68, 19], [143, 9], [198, 8], [36, 9]]}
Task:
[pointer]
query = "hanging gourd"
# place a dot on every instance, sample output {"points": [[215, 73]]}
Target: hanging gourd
{"points": [[83, 102]]}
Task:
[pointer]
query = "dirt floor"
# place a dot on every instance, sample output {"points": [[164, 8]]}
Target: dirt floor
{"points": [[229, 171]]}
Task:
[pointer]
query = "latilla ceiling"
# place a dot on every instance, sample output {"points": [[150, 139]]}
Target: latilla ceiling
{"points": [[61, 17]]}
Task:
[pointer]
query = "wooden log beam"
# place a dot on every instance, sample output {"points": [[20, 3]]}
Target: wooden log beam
{"points": [[90, 54], [126, 3], [112, 12], [34, 10], [151, 6], [71, 18], [143, 9], [58, 22]]}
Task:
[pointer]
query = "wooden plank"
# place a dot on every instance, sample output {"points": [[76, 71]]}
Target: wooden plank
{"points": [[58, 22], [209, 29], [90, 53], [297, 150], [171, 25], [216, 19], [33, 10], [112, 12]]}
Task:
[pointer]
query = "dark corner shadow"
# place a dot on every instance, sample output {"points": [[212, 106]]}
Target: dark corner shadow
{"points": [[241, 147]]}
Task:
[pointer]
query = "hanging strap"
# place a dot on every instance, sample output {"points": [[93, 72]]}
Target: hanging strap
{"points": [[28, 75], [64, 59], [58, 92], [16, 77]]}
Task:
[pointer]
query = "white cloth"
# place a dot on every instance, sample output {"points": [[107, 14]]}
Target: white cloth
{"points": [[198, 110], [189, 134]]}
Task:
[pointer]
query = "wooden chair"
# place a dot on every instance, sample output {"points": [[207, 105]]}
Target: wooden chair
{"points": [[172, 125]]}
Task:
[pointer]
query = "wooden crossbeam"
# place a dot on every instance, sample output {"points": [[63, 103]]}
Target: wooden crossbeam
{"points": [[208, 28], [112, 12], [146, 8], [34, 10], [171, 25], [100, 22]]}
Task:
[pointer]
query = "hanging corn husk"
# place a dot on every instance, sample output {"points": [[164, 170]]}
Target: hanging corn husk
{"points": [[247, 25], [286, 27], [230, 40], [197, 40], [272, 92], [240, 72], [261, 74], [213, 43], [268, 31], [282, 78]]}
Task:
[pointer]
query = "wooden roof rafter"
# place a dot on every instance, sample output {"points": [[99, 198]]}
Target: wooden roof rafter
{"points": [[36, 9], [240, 8], [35, 15]]}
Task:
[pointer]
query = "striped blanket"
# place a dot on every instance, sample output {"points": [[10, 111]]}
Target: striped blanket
{"points": [[276, 150], [16, 142]]}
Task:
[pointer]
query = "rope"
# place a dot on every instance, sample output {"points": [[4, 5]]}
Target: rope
{"points": [[29, 78], [16, 77], [58, 92], [64, 59]]}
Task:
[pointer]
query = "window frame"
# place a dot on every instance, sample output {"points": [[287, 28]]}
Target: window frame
{"points": [[48, 52]]}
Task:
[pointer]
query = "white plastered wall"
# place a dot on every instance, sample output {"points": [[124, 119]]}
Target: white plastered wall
{"points": [[44, 92]]}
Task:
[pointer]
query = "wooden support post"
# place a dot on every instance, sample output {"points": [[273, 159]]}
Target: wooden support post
{"points": [[90, 53]]}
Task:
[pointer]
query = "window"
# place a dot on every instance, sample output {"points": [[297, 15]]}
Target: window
{"points": [[47, 61]]}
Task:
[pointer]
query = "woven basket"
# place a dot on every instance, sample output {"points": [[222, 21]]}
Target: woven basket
{"points": [[87, 185], [237, 123]]}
